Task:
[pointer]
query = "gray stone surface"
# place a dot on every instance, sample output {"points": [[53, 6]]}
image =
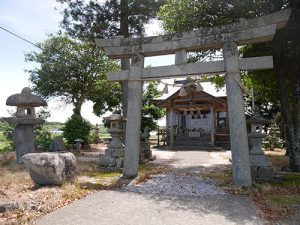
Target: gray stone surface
{"points": [[50, 168], [279, 18], [57, 144], [23, 140], [260, 167], [133, 125], [25, 99], [236, 116], [252, 63]]}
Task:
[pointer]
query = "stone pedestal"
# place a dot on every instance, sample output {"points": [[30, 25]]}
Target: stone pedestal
{"points": [[260, 167], [24, 140], [113, 159]]}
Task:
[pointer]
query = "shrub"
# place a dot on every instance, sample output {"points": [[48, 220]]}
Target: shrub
{"points": [[42, 137], [76, 127], [6, 131], [273, 138]]}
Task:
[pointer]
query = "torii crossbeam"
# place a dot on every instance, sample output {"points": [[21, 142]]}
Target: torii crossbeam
{"points": [[227, 37]]}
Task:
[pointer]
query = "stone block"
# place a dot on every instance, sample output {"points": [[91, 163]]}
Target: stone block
{"points": [[119, 163], [107, 161], [254, 172], [24, 140], [50, 168], [107, 152], [265, 173], [118, 152], [258, 160], [57, 145]]}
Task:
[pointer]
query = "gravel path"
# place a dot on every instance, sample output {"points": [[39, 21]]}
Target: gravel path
{"points": [[167, 199], [175, 185]]}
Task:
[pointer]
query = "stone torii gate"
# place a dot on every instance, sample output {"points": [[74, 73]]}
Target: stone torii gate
{"points": [[227, 37]]}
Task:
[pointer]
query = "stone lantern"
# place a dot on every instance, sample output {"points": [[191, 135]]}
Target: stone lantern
{"points": [[260, 167], [114, 154], [24, 121]]}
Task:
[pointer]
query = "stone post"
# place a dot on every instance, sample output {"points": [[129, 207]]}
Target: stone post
{"points": [[180, 57], [236, 115], [133, 126]]}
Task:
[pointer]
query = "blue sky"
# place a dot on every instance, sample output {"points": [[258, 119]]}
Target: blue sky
{"points": [[33, 20]]}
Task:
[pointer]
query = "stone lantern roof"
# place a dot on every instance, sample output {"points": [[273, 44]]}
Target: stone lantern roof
{"points": [[25, 99], [256, 118], [115, 117]]}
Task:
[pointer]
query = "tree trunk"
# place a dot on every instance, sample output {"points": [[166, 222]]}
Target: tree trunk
{"points": [[286, 62], [125, 63], [77, 107]]}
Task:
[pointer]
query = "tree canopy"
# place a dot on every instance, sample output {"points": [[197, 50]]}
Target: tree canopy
{"points": [[103, 20], [150, 112], [73, 71]]}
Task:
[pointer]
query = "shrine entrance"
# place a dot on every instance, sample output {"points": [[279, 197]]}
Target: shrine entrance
{"points": [[227, 38]]}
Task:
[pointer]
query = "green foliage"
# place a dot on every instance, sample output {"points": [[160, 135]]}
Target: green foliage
{"points": [[42, 137], [90, 19], [76, 127], [6, 136], [186, 15], [273, 139], [71, 70], [106, 97], [92, 136], [150, 112]]}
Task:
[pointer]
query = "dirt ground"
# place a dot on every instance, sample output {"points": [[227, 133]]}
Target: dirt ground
{"points": [[22, 202]]}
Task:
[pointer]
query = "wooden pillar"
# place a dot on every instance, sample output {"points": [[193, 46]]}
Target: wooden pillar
{"points": [[212, 126], [171, 124], [133, 127], [236, 116]]}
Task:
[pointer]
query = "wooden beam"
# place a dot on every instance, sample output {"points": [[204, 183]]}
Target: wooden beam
{"points": [[194, 69], [188, 106]]}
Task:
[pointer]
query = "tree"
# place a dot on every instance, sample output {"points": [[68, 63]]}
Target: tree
{"points": [[190, 14], [74, 71], [150, 112], [108, 19]]}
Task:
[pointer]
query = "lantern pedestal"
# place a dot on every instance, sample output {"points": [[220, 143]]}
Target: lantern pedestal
{"points": [[113, 159], [260, 167]]}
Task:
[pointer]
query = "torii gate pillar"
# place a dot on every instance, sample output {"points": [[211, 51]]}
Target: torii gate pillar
{"points": [[236, 115], [133, 126]]}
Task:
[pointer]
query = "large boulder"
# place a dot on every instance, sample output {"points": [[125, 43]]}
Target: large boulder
{"points": [[50, 168]]}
